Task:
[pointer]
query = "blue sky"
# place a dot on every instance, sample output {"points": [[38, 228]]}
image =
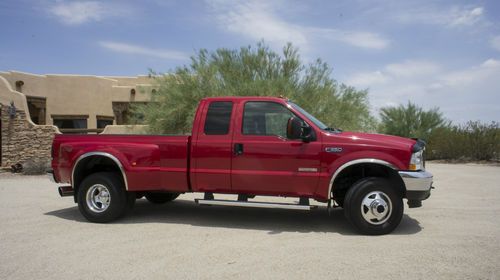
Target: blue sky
{"points": [[436, 53]]}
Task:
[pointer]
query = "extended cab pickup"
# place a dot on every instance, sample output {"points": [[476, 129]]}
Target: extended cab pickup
{"points": [[249, 146]]}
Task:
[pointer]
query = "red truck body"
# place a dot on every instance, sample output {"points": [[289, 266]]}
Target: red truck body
{"points": [[236, 162], [201, 163]]}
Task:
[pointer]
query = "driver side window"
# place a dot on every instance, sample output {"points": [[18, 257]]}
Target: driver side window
{"points": [[265, 119]]}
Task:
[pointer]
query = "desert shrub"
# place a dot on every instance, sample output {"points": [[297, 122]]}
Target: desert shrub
{"points": [[474, 141], [410, 120]]}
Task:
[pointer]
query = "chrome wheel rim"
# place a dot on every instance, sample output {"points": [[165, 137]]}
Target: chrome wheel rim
{"points": [[98, 198], [376, 207]]}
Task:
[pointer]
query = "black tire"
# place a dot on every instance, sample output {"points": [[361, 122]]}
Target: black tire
{"points": [[131, 198], [379, 194], [103, 184], [161, 197]]}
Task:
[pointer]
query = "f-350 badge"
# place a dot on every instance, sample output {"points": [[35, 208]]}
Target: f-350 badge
{"points": [[333, 149]]}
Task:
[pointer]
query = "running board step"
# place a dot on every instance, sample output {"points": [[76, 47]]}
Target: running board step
{"points": [[254, 204]]}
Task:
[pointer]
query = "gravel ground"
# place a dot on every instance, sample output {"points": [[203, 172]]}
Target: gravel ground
{"points": [[455, 235]]}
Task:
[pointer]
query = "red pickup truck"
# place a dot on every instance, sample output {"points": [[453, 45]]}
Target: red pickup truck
{"points": [[248, 146]]}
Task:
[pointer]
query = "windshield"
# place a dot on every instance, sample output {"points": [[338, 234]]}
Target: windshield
{"points": [[317, 122]]}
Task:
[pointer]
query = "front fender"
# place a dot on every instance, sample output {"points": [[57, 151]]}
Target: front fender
{"points": [[336, 167]]}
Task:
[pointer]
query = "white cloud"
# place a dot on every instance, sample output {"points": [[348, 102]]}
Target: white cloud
{"points": [[80, 12], [408, 69], [368, 79], [412, 68], [145, 51], [456, 16], [463, 16], [474, 76], [256, 20], [491, 63], [495, 43], [366, 40], [259, 20], [462, 94]]}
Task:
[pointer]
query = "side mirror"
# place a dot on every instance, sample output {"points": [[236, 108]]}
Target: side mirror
{"points": [[307, 135], [294, 128]]}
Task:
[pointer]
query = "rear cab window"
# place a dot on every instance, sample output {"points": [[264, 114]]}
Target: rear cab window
{"points": [[218, 119]]}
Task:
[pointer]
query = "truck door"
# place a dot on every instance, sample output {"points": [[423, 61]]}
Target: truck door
{"points": [[264, 160], [212, 151]]}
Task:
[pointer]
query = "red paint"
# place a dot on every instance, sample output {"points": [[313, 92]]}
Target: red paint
{"points": [[269, 165]]}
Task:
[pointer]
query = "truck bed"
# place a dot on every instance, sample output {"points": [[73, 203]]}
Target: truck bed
{"points": [[150, 162]]}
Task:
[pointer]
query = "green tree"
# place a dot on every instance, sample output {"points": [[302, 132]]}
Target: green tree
{"points": [[410, 121], [253, 71]]}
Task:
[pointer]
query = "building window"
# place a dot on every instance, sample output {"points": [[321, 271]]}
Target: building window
{"points": [[218, 118], [37, 108], [19, 86], [132, 95], [71, 123], [103, 121]]}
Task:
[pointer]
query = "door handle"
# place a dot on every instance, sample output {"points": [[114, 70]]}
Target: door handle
{"points": [[238, 149]]}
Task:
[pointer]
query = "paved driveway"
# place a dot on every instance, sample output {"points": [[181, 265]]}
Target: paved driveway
{"points": [[455, 235]]}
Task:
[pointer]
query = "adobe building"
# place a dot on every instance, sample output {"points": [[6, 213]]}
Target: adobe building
{"points": [[35, 107]]}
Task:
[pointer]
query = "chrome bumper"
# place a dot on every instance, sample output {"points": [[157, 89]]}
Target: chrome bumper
{"points": [[416, 181]]}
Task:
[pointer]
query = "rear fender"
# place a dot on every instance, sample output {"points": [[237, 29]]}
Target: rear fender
{"points": [[81, 158]]}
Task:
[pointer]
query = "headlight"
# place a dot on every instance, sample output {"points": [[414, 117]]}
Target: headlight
{"points": [[417, 160]]}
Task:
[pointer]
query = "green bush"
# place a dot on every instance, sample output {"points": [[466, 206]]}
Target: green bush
{"points": [[410, 121], [474, 141]]}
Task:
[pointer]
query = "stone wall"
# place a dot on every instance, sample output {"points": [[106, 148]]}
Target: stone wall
{"points": [[23, 142]]}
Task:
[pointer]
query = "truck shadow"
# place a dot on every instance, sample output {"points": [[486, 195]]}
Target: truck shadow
{"points": [[274, 221]]}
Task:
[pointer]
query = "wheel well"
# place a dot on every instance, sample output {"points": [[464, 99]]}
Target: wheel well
{"points": [[347, 177], [90, 165]]}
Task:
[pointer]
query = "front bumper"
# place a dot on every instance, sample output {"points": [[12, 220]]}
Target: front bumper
{"points": [[418, 186]]}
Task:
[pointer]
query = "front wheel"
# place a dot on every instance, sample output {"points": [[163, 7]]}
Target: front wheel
{"points": [[373, 206], [102, 198]]}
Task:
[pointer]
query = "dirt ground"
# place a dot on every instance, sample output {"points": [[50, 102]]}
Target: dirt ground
{"points": [[455, 235]]}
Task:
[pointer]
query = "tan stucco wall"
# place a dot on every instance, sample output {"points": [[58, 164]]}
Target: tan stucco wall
{"points": [[22, 141], [8, 95], [26, 143], [79, 95], [130, 81]]}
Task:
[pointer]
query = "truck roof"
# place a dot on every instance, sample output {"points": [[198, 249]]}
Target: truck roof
{"points": [[245, 97]]}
